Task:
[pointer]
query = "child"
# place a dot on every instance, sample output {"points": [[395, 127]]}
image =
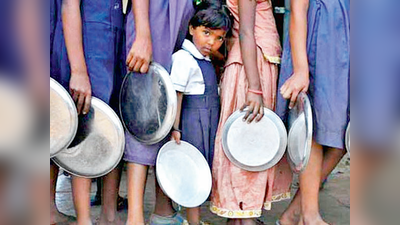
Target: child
{"points": [[195, 81], [86, 56], [317, 60], [154, 29], [249, 80]]}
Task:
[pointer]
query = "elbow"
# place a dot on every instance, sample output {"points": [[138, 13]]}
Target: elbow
{"points": [[68, 5], [246, 34], [300, 7]]}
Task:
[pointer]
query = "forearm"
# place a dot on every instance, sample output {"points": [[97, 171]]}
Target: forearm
{"points": [[72, 27], [248, 45], [298, 35], [179, 96], [141, 15]]}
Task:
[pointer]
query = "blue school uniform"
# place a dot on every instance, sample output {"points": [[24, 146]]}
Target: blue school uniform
{"points": [[328, 51], [200, 114], [194, 75], [102, 35], [169, 21]]}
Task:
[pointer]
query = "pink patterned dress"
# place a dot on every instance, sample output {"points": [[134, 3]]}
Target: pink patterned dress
{"points": [[237, 193]]}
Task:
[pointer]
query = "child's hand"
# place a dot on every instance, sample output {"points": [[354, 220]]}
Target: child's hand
{"points": [[176, 135], [139, 57], [81, 91], [297, 83], [255, 107]]}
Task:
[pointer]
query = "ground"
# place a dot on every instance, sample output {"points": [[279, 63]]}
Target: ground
{"points": [[334, 198]]}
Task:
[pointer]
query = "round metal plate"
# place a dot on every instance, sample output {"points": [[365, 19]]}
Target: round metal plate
{"points": [[98, 145], [300, 133], [255, 146], [148, 104], [63, 118], [347, 138], [183, 174]]}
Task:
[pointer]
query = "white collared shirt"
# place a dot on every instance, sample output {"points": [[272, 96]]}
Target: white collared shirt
{"points": [[186, 74]]}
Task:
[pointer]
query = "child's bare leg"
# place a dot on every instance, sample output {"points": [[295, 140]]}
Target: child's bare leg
{"points": [[331, 158], [163, 205], [248, 222], [55, 215], [109, 198], [233, 222], [310, 181], [81, 196], [137, 176], [193, 215]]}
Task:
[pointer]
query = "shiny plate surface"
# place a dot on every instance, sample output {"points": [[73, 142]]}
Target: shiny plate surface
{"points": [[63, 118], [98, 145], [347, 138], [183, 174], [148, 104], [300, 133], [255, 146]]}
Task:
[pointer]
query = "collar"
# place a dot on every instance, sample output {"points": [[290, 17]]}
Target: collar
{"points": [[191, 48]]}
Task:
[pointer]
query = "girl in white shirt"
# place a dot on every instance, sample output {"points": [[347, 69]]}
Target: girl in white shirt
{"points": [[195, 81]]}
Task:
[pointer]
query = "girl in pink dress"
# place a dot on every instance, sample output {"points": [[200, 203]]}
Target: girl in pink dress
{"points": [[250, 79]]}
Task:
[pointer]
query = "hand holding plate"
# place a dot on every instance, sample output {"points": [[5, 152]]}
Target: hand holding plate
{"points": [[297, 83], [255, 107]]}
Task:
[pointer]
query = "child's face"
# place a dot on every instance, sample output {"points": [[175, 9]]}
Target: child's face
{"points": [[207, 40]]}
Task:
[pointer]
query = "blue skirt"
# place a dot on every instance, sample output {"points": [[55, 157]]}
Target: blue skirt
{"points": [[199, 123], [103, 44], [328, 50], [168, 23]]}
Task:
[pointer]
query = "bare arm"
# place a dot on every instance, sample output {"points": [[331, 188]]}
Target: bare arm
{"points": [[248, 47], [80, 87], [176, 135], [141, 52], [299, 81]]}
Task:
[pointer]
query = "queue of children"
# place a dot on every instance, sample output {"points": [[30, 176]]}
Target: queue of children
{"points": [[93, 44]]}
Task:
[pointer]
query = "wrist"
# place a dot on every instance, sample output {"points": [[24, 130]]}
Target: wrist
{"points": [[257, 92], [301, 70], [143, 35], [255, 87], [176, 129], [78, 70]]}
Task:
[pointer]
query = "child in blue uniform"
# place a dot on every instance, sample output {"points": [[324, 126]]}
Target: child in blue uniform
{"points": [[195, 81], [316, 59], [86, 60]]}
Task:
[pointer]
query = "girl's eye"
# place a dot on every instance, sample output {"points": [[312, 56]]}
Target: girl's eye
{"points": [[206, 32], [220, 38]]}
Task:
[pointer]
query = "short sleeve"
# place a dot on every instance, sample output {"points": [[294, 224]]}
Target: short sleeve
{"points": [[181, 70]]}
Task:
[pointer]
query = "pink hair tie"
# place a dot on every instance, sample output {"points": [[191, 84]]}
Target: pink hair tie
{"points": [[255, 91]]}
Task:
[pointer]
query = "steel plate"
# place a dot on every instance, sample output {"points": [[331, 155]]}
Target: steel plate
{"points": [[347, 138], [183, 174], [255, 146], [148, 104], [98, 145], [300, 133], [63, 118]]}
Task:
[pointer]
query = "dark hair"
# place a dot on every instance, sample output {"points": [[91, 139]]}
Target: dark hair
{"points": [[205, 4], [212, 14]]}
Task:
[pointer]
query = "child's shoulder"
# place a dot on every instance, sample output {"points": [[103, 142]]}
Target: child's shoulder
{"points": [[181, 54]]}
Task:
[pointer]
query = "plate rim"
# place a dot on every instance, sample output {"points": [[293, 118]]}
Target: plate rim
{"points": [[203, 160], [278, 156], [307, 109], [60, 90], [170, 112], [120, 129], [347, 138]]}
